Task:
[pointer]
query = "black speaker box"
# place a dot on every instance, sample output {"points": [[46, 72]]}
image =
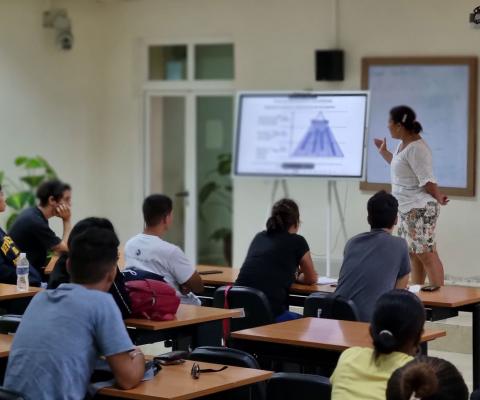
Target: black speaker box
{"points": [[329, 65]]}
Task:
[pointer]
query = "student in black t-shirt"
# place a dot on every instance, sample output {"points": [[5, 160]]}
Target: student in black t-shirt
{"points": [[31, 231], [9, 254], [277, 258], [61, 275]]}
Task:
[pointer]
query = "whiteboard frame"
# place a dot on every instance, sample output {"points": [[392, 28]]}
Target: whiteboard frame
{"points": [[266, 93], [469, 61]]}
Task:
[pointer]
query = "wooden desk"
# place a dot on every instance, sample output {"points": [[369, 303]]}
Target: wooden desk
{"points": [[9, 292], [5, 344], [54, 258], [309, 341], [175, 383], [319, 333], [228, 275], [186, 315], [203, 325]]}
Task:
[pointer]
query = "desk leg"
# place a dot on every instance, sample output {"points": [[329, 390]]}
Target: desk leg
{"points": [[475, 345]]}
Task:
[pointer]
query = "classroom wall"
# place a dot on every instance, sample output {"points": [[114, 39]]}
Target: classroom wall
{"points": [[100, 112], [274, 45], [51, 100]]}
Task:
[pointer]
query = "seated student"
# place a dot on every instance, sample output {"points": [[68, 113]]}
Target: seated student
{"points": [[396, 329], [65, 330], [31, 231], [277, 258], [61, 275], [9, 254], [149, 252], [427, 378], [374, 262]]}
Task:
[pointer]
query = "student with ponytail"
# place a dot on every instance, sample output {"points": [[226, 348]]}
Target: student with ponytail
{"points": [[277, 257], [415, 187], [397, 325], [427, 378]]}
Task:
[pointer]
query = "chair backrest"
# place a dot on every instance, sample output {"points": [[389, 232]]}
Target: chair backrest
{"points": [[237, 358], [475, 395], [6, 394], [295, 386], [330, 306], [253, 301], [9, 323]]}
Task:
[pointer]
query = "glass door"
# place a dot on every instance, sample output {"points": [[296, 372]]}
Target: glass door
{"points": [[188, 153], [214, 124]]}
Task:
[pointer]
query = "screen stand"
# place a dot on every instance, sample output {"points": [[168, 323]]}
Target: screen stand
{"points": [[276, 184], [332, 187]]}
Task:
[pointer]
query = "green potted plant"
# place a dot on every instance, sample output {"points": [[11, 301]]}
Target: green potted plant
{"points": [[20, 195], [217, 191]]}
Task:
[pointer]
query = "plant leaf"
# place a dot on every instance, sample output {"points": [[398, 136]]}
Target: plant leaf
{"points": [[225, 167], [11, 219], [33, 163], [31, 199], [2, 175], [18, 200], [51, 174], [221, 234], [20, 160], [33, 180], [207, 190]]}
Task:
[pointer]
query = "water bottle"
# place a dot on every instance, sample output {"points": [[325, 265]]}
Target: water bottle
{"points": [[22, 273]]}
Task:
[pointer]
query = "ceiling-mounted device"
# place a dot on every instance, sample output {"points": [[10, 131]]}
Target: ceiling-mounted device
{"points": [[60, 22]]}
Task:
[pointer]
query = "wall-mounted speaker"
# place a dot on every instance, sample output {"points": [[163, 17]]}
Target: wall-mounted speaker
{"points": [[329, 65]]}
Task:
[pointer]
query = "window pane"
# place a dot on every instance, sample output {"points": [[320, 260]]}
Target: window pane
{"points": [[214, 61], [168, 63]]}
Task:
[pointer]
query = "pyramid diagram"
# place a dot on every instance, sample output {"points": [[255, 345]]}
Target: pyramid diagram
{"points": [[318, 141]]}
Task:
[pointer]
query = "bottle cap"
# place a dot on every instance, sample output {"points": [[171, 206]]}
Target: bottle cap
{"points": [[23, 255]]}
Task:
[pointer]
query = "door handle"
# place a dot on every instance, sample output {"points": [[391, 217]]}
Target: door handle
{"points": [[182, 194]]}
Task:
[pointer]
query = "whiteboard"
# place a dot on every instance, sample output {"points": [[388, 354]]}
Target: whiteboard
{"points": [[440, 93], [317, 134]]}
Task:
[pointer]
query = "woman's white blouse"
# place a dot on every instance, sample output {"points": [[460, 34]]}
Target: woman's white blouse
{"points": [[411, 169]]}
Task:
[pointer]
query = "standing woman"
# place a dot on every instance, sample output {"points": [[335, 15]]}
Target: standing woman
{"points": [[416, 190], [278, 257]]}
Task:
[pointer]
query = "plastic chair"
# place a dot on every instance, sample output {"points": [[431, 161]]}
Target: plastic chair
{"points": [[330, 306], [9, 323], [294, 386], [253, 301], [6, 394], [237, 358]]}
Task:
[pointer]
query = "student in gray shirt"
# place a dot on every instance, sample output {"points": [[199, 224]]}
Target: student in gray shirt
{"points": [[65, 330], [374, 262]]}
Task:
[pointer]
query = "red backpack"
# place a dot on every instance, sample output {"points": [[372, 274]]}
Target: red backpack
{"points": [[152, 299]]}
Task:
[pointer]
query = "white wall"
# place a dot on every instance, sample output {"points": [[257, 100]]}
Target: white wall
{"points": [[51, 100], [83, 110]]}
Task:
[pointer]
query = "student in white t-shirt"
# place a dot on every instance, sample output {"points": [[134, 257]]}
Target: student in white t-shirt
{"points": [[415, 187], [149, 252]]}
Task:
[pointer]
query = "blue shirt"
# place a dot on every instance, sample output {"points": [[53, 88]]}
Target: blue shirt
{"points": [[62, 333]]}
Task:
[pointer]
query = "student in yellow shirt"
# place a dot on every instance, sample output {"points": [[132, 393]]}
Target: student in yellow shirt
{"points": [[397, 325], [427, 378]]}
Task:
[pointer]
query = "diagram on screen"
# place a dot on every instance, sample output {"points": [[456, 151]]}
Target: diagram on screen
{"points": [[318, 141]]}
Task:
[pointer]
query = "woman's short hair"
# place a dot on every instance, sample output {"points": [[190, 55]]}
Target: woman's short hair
{"points": [[285, 214], [397, 320], [427, 378], [406, 117]]}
